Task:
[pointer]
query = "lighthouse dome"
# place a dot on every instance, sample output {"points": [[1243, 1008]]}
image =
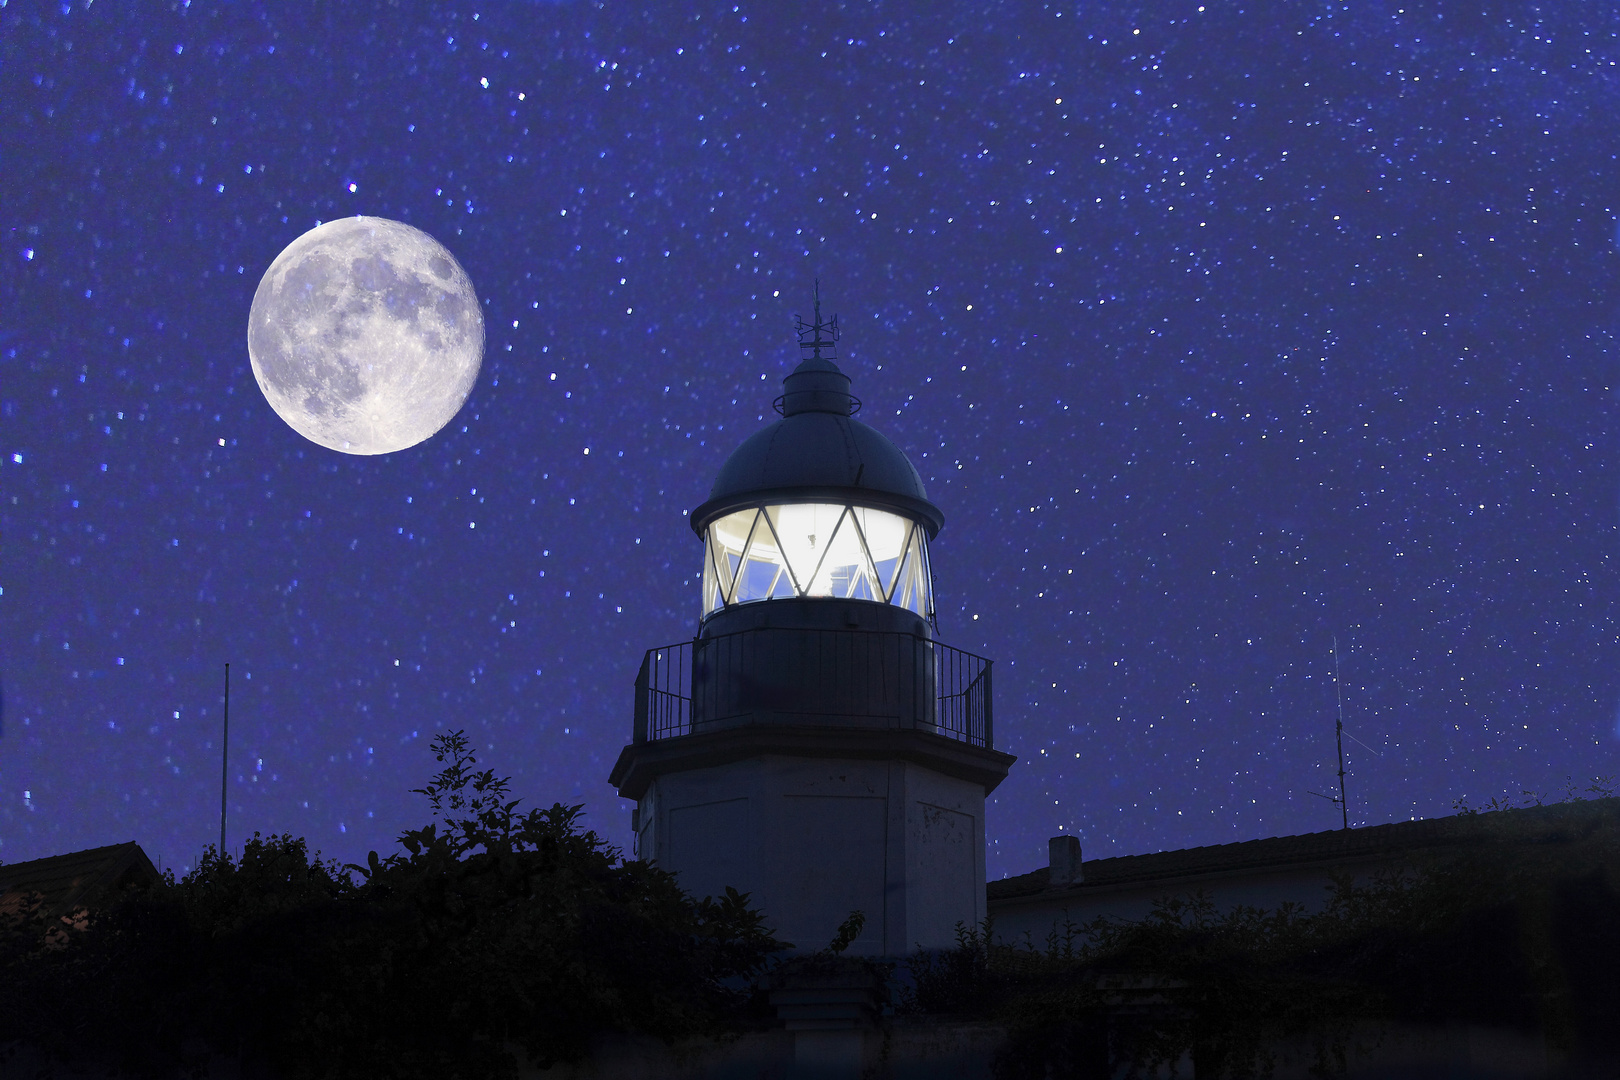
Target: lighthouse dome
{"points": [[819, 452], [817, 506]]}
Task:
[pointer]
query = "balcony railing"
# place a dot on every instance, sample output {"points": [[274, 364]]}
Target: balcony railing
{"points": [[856, 678]]}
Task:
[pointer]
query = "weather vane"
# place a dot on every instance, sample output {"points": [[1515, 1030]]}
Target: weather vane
{"points": [[816, 329]]}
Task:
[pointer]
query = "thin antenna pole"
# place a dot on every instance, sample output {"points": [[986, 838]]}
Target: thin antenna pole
{"points": [[1338, 731], [224, 760]]}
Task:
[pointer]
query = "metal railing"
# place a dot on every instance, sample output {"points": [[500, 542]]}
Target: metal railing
{"points": [[860, 678]]}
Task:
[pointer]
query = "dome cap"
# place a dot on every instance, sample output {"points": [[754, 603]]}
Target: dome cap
{"points": [[817, 452], [817, 386]]}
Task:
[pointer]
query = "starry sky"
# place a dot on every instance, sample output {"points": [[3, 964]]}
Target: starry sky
{"points": [[1218, 331]]}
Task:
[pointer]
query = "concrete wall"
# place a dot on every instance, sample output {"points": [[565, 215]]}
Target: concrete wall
{"points": [[813, 839], [1030, 919]]}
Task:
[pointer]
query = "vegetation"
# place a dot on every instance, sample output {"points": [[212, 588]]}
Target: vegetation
{"points": [[1519, 927], [492, 935], [495, 936]]}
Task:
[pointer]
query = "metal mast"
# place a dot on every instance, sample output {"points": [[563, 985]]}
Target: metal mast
{"points": [[224, 760], [1338, 731], [1338, 737], [816, 329]]}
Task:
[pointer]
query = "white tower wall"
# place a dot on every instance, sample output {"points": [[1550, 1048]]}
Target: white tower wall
{"points": [[813, 839]]}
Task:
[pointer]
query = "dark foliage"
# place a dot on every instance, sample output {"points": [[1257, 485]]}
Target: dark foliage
{"points": [[833, 963], [494, 934], [1519, 928]]}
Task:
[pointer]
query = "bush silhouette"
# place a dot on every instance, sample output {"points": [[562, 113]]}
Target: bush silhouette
{"points": [[493, 935]]}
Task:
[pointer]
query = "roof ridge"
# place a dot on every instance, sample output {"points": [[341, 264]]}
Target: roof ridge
{"points": [[74, 879]]}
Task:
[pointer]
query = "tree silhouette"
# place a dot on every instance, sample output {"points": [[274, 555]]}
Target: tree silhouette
{"points": [[491, 937]]}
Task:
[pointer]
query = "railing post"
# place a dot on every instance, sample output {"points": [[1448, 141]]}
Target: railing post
{"points": [[926, 667], [638, 731], [989, 709]]}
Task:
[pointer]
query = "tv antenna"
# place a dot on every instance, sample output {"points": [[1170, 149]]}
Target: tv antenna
{"points": [[1338, 734]]}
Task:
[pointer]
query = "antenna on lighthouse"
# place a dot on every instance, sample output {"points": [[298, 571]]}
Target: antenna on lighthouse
{"points": [[816, 329]]}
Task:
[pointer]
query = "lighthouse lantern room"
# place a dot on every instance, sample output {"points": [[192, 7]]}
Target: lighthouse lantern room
{"points": [[814, 746]]}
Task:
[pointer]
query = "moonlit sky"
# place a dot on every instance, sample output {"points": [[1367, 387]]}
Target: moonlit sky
{"points": [[1215, 330]]}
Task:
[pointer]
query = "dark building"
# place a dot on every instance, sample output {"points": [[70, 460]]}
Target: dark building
{"points": [[1265, 873], [63, 889]]}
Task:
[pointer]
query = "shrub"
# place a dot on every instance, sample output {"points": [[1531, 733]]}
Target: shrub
{"points": [[492, 935]]}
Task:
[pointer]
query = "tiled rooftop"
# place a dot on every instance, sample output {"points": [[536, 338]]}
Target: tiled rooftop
{"points": [[69, 882]]}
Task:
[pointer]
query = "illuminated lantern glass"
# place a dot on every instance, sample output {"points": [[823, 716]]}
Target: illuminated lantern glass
{"points": [[816, 550]]}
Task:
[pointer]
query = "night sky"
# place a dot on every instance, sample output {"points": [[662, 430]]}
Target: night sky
{"points": [[1215, 330]]}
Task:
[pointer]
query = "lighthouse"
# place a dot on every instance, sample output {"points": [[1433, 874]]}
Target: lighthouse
{"points": [[815, 745]]}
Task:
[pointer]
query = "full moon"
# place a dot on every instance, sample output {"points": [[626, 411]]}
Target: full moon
{"points": [[365, 335]]}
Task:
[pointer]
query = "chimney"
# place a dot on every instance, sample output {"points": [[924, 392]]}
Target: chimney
{"points": [[1063, 858]]}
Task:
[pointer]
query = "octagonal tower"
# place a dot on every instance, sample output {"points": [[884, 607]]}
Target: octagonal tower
{"points": [[814, 745]]}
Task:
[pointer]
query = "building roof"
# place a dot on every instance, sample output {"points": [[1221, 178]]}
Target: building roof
{"points": [[63, 884], [1338, 846]]}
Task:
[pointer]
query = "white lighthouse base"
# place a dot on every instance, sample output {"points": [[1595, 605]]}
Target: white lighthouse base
{"points": [[811, 840]]}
